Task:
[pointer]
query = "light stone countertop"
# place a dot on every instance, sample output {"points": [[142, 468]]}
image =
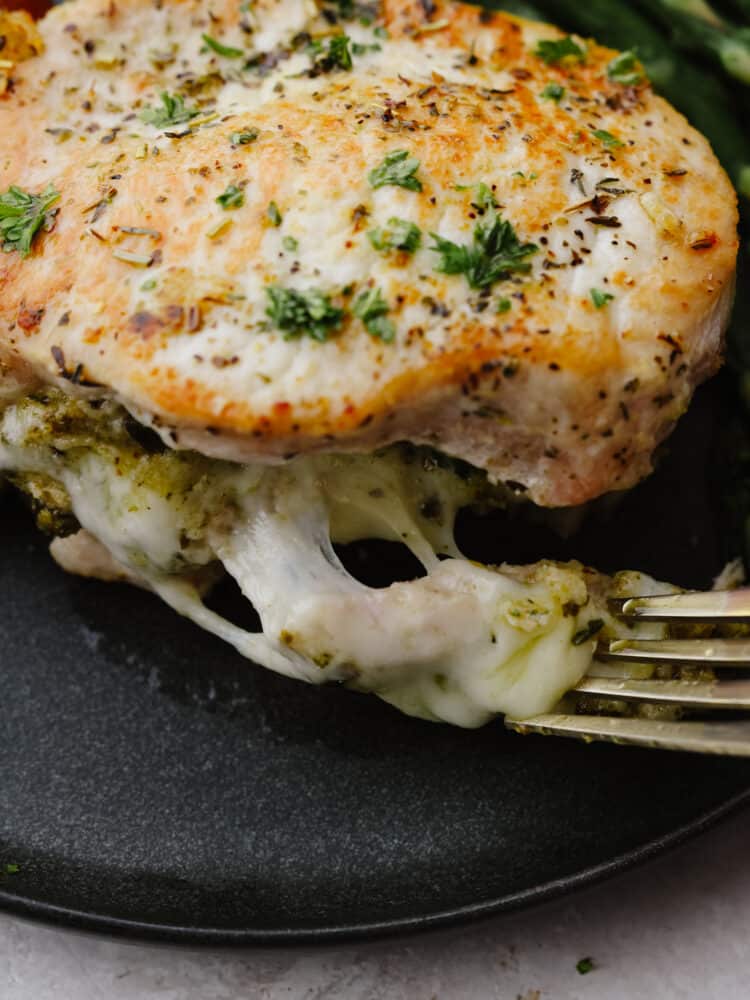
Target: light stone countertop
{"points": [[675, 929]]}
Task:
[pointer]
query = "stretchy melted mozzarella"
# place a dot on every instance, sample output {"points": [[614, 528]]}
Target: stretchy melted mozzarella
{"points": [[459, 644]]}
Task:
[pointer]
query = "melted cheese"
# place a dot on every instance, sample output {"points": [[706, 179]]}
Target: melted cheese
{"points": [[460, 644]]}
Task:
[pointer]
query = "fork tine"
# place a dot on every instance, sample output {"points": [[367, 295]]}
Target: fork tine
{"points": [[730, 739], [691, 694], [686, 652], [697, 606]]}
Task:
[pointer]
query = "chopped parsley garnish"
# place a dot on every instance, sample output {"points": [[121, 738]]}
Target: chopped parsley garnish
{"points": [[289, 243], [244, 138], [584, 966], [494, 254], [600, 299], [344, 9], [607, 139], [553, 51], [380, 32], [149, 285], [22, 215], [297, 313], [335, 56], [373, 310], [397, 234], [359, 49], [503, 306], [171, 112], [626, 69], [593, 628], [274, 215], [553, 92], [338, 52], [485, 199], [233, 197], [11, 869], [222, 50], [398, 169]]}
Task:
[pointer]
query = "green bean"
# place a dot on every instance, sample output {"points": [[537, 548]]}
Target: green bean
{"points": [[735, 8], [696, 27], [699, 9]]}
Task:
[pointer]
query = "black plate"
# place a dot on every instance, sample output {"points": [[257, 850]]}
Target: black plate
{"points": [[155, 783]]}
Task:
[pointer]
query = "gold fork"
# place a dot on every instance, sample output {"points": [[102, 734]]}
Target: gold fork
{"points": [[614, 702]]}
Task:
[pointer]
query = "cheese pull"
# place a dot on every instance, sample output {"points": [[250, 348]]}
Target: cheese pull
{"points": [[460, 644]]}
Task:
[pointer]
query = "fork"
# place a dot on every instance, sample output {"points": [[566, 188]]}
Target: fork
{"points": [[666, 713]]}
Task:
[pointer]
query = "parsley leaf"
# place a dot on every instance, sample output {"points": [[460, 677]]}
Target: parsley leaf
{"points": [[372, 309], [290, 243], [398, 234], [338, 52], [485, 199], [494, 254], [626, 69], [398, 169], [344, 9], [588, 631], [584, 966], [360, 49], [600, 299], [22, 215], [303, 313], [336, 56], [244, 138], [503, 306], [172, 112], [553, 92], [553, 51], [607, 139], [274, 215], [222, 50], [233, 197]]}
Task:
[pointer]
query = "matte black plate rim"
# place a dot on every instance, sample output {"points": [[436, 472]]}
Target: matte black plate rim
{"points": [[339, 933]]}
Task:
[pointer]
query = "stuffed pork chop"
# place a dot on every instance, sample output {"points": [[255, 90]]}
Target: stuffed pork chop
{"points": [[286, 237]]}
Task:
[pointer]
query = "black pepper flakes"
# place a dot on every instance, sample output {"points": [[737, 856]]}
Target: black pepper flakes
{"points": [[607, 221]]}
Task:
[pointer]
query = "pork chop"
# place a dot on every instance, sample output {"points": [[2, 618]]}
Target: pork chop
{"points": [[277, 228]]}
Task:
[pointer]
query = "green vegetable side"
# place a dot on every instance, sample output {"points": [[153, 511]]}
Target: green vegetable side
{"points": [[23, 215]]}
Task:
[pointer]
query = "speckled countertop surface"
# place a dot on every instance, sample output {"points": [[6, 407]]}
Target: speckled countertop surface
{"points": [[678, 927]]}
